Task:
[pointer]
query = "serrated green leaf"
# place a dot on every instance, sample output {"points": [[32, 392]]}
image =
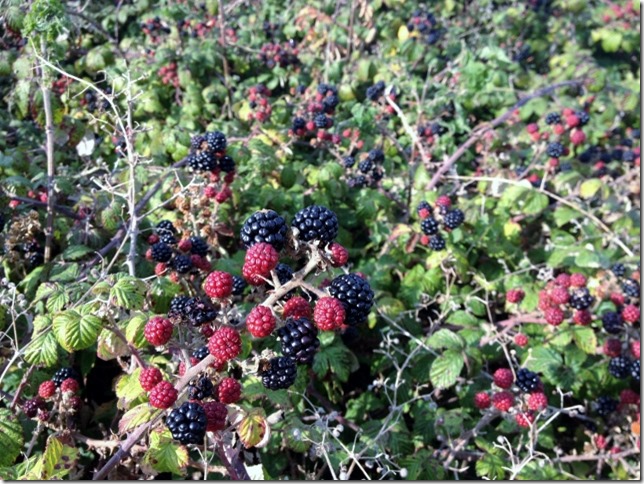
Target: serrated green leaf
{"points": [[444, 338], [57, 461], [585, 339], [11, 438], [136, 416], [164, 455], [42, 350], [128, 389], [128, 293], [134, 330], [543, 359], [589, 188], [336, 358], [491, 466], [75, 331], [75, 252], [446, 368]]}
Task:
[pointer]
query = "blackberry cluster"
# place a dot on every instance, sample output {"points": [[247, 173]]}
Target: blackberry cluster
{"points": [[426, 25], [433, 217], [553, 118], [161, 252], [200, 389], [182, 264], [63, 374], [299, 340], [265, 226], [283, 55], [606, 405], [376, 91], [356, 296], [192, 310], [620, 367], [207, 152], [631, 288], [453, 219], [199, 246], [187, 423], [369, 168], [33, 253], [154, 28], [92, 102], [316, 222], [281, 373], [315, 116], [527, 381], [555, 150], [612, 322], [581, 298]]}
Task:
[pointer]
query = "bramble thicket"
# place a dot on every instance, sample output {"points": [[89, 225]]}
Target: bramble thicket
{"points": [[320, 239]]}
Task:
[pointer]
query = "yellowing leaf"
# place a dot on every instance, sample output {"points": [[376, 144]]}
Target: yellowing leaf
{"points": [[252, 429], [403, 33]]}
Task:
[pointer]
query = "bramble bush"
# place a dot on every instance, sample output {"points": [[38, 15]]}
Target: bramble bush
{"points": [[321, 240]]}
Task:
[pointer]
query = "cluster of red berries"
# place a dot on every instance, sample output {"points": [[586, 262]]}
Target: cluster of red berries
{"points": [[433, 219], [429, 132], [169, 74], [258, 97], [201, 29], [283, 55], [313, 117], [60, 85], [564, 297], [154, 28], [60, 392], [617, 16]]}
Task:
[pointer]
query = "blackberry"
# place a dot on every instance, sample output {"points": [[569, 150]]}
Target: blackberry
{"points": [[200, 353], [377, 174], [203, 161], [359, 181], [284, 273], [316, 222], [586, 156], [635, 370], [199, 246], [320, 121], [167, 238], [299, 340], [365, 166], [437, 243], [454, 218], [374, 92], [31, 407], [424, 205], [377, 155], [202, 388], [196, 142], [553, 118], [178, 305], [438, 129], [617, 154], [555, 150], [216, 141], [264, 226], [182, 264], [527, 381], [226, 164], [197, 311], [348, 161], [63, 374], [329, 103], [618, 269], [628, 156], [612, 322], [606, 405], [581, 298], [165, 226], [31, 246], [281, 373], [298, 123], [36, 259], [433, 37], [356, 296], [583, 117], [635, 134], [429, 226], [620, 367], [239, 284], [631, 288], [187, 423], [161, 252]]}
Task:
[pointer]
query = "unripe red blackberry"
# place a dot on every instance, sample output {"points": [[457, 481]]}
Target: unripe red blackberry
{"points": [[521, 340], [559, 295], [297, 307], [554, 316], [47, 389], [150, 377], [503, 378], [635, 349], [158, 330], [163, 395], [339, 255], [329, 314], [631, 314], [503, 401], [582, 317], [216, 415], [563, 280], [31, 407], [482, 400], [70, 385], [612, 347], [524, 419], [578, 280], [229, 390], [260, 260], [537, 401], [260, 322], [225, 344], [218, 285], [514, 296]]}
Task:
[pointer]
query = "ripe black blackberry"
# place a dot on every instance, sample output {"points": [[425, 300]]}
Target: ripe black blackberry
{"points": [[182, 264], [374, 92], [187, 423], [377, 174], [196, 143], [239, 284], [359, 181], [167, 238], [320, 121], [284, 273], [628, 156], [316, 222], [199, 246], [216, 141], [200, 353], [178, 305], [437, 243], [329, 103], [555, 150], [438, 129], [527, 381], [197, 311], [424, 205], [377, 155], [298, 123], [31, 407], [620, 367], [348, 161], [553, 118], [165, 226], [226, 164], [612, 322], [454, 218], [581, 298], [356, 296], [202, 161], [618, 269], [324, 89], [265, 226], [281, 373], [63, 374], [583, 117], [299, 340], [635, 370], [429, 226], [606, 405], [200, 389], [366, 165], [161, 252], [631, 288], [35, 259]]}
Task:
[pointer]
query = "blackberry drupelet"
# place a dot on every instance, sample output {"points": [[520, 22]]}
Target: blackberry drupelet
{"points": [[63, 374], [356, 296], [581, 298], [200, 389], [348, 161], [454, 218], [620, 367], [216, 141], [553, 118], [281, 373], [200, 353], [437, 243], [265, 226], [239, 284], [226, 164], [618, 269], [316, 222], [555, 150], [182, 264], [203, 161], [631, 288], [299, 340], [606, 405], [187, 423], [199, 246], [429, 226], [612, 322], [527, 381], [161, 252], [635, 370], [365, 166]]}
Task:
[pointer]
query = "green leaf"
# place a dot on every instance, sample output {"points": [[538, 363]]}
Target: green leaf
{"points": [[444, 338], [543, 359], [43, 350], [589, 188], [128, 293], [336, 358], [128, 389], [491, 466], [75, 331], [134, 330], [138, 415], [75, 252], [585, 339], [446, 368], [57, 461], [563, 215], [11, 439], [252, 429], [164, 455]]}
